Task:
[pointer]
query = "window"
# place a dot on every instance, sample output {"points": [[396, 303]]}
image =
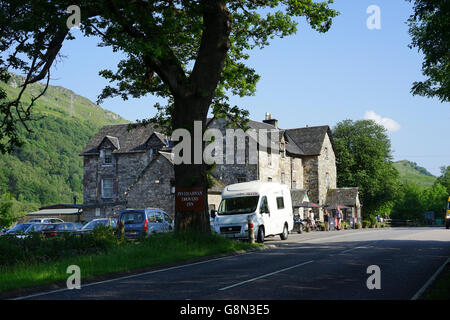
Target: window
{"points": [[269, 157], [241, 179], [280, 202], [107, 188], [326, 153], [107, 157], [327, 180], [294, 184], [283, 150], [97, 212], [264, 206], [167, 219], [283, 178], [269, 179]]}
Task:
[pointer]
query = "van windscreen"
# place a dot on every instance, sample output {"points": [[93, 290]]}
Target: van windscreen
{"points": [[238, 205]]}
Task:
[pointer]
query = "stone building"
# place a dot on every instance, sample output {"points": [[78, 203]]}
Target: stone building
{"points": [[347, 197], [134, 169]]}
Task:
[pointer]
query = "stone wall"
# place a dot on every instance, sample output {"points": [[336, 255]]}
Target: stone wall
{"points": [[153, 189]]}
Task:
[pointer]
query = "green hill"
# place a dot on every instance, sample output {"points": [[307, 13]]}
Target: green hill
{"points": [[411, 172], [47, 169]]}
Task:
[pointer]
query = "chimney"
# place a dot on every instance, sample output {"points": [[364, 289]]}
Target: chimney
{"points": [[270, 120]]}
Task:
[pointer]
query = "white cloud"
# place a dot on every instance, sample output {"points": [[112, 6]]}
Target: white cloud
{"points": [[389, 124]]}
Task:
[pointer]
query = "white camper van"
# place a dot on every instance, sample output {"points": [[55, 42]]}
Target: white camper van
{"points": [[269, 204]]}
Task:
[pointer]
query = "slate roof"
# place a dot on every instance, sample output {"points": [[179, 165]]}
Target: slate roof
{"points": [[310, 139], [129, 141], [343, 196], [297, 196]]}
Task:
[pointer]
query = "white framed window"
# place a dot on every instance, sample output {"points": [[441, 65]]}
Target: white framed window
{"points": [[107, 157], [283, 178], [97, 212], [107, 188], [327, 180]]}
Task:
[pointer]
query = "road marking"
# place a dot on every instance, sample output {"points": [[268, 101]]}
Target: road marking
{"points": [[129, 277], [360, 247], [265, 275], [427, 284]]}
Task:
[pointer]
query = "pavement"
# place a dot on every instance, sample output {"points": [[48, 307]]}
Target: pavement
{"points": [[335, 265]]}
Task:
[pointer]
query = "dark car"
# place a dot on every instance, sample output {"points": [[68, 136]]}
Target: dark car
{"points": [[18, 229], [56, 229], [143, 222]]}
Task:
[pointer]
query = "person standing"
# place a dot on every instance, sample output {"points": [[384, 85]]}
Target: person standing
{"points": [[339, 218], [326, 217]]}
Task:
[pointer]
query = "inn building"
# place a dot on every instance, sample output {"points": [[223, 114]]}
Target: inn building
{"points": [[135, 168]]}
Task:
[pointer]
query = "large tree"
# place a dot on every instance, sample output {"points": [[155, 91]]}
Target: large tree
{"points": [[429, 27], [192, 53], [364, 160]]}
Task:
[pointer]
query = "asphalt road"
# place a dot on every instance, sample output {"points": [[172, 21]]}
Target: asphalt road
{"points": [[318, 265]]}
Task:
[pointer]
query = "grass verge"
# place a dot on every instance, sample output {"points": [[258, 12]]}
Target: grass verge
{"points": [[440, 288], [154, 250]]}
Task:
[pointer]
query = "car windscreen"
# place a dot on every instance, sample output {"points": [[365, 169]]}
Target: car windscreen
{"points": [[35, 228], [21, 227], [132, 217], [238, 205], [95, 224]]}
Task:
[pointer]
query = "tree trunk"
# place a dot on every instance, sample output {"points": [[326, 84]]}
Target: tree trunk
{"points": [[191, 175]]}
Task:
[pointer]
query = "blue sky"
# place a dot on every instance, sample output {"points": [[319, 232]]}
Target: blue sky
{"points": [[350, 72]]}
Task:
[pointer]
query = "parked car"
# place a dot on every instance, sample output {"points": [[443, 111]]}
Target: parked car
{"points": [[111, 222], [56, 229], [18, 229], [33, 228], [143, 222], [46, 220]]}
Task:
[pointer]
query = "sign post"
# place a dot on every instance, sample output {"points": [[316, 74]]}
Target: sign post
{"points": [[190, 199]]}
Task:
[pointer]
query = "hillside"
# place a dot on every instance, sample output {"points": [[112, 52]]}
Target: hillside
{"points": [[411, 172], [48, 168]]}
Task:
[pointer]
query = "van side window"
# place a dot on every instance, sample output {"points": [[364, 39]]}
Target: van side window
{"points": [[264, 205], [280, 202]]}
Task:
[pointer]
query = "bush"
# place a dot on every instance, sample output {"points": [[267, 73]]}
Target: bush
{"points": [[36, 248], [366, 223]]}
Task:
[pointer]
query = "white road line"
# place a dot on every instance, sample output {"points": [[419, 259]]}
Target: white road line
{"points": [[127, 277], [427, 284], [265, 275], [360, 247]]}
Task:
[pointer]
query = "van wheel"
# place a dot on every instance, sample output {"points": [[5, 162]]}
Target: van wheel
{"points": [[285, 233], [260, 236]]}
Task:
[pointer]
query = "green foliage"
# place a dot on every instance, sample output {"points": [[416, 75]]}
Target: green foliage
{"points": [[411, 172], [444, 178], [413, 202], [48, 169], [363, 152], [7, 216], [38, 249], [429, 27]]}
